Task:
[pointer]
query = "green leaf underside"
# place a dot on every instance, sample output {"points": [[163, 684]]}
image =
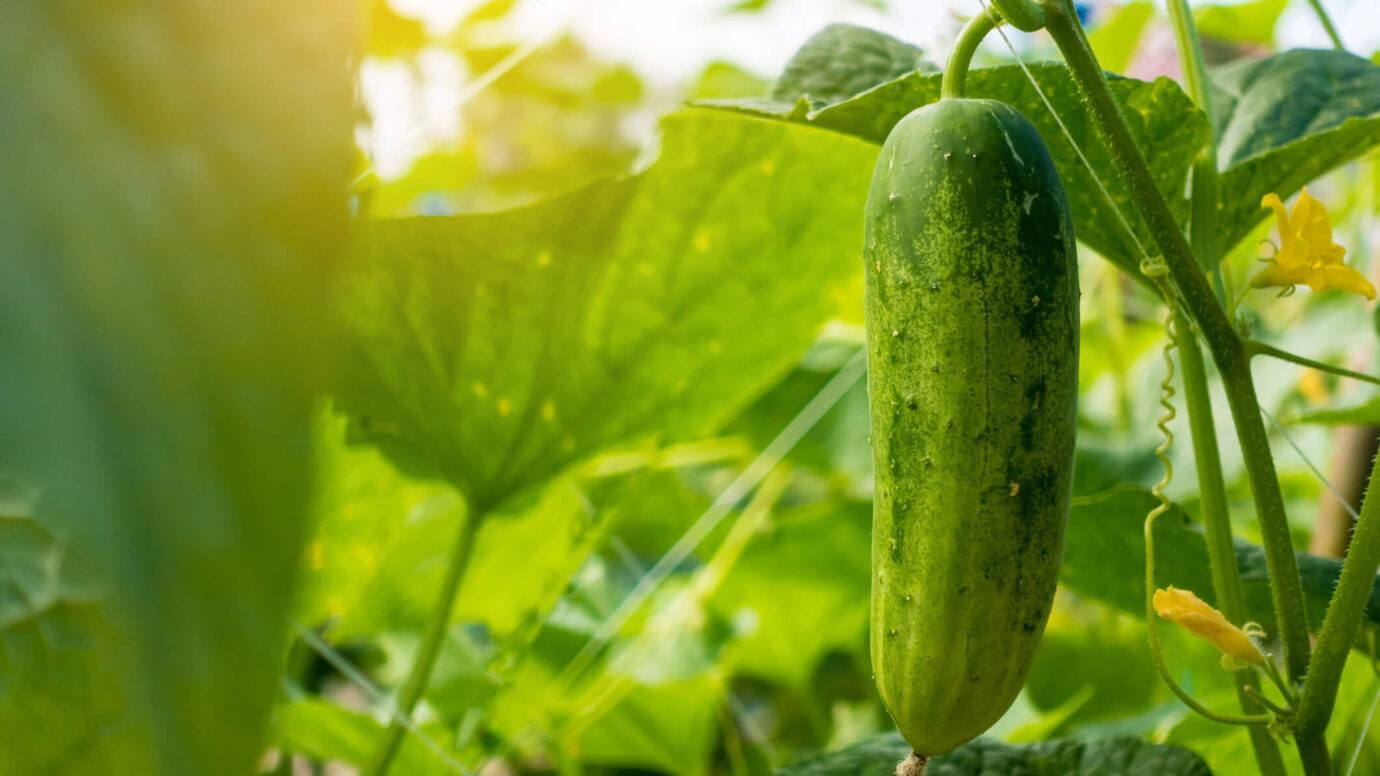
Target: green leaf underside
{"points": [[171, 210], [1364, 414], [1286, 120], [1166, 126], [496, 349], [1121, 755], [1104, 553], [843, 60]]}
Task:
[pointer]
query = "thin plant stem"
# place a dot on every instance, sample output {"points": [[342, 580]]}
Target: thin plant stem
{"points": [[1327, 24], [1226, 575], [1343, 618], [1227, 349], [420, 676], [1257, 348]]}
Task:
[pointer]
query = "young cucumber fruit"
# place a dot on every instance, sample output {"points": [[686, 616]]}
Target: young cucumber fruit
{"points": [[972, 344]]}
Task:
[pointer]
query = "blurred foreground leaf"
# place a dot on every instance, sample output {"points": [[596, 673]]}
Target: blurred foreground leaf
{"points": [[172, 211]]}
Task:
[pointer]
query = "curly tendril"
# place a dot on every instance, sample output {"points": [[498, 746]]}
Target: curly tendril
{"points": [[1157, 272]]}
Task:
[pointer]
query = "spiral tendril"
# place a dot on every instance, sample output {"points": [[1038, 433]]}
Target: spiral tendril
{"points": [[1157, 272]]}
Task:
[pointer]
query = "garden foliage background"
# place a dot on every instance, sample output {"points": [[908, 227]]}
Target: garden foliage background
{"points": [[627, 333]]}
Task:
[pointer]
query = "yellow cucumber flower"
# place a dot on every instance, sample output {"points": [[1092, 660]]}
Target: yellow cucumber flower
{"points": [[1184, 608], [1306, 253]]}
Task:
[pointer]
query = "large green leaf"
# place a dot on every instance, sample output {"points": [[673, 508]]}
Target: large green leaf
{"points": [[1121, 755], [1285, 120], [1164, 122], [171, 212], [499, 348], [843, 60], [1104, 559]]}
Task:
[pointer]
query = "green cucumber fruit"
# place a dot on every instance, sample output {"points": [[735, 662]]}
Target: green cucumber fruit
{"points": [[972, 343]]}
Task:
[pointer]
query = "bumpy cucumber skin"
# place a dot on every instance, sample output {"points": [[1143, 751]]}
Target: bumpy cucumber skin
{"points": [[972, 337]]}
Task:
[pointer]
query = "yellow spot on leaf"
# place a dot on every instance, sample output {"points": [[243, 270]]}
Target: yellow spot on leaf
{"points": [[701, 242], [544, 259], [481, 390], [768, 167], [548, 411], [1307, 254], [505, 407], [1184, 608], [314, 556]]}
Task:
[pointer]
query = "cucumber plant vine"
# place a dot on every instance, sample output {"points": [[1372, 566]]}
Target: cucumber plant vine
{"points": [[1197, 308]]}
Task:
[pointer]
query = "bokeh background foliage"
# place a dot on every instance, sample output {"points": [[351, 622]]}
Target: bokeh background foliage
{"points": [[237, 446]]}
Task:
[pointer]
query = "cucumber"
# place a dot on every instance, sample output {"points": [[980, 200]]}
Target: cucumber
{"points": [[972, 342]]}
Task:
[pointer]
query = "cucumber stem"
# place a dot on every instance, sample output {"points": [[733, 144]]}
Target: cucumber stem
{"points": [[913, 765], [955, 82], [420, 676], [1024, 15]]}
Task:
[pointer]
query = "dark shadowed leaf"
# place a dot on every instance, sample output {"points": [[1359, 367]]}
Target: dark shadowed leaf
{"points": [[1285, 120], [1122, 756], [1104, 559], [843, 61]]}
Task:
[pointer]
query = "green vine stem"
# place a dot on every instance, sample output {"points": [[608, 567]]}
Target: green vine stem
{"points": [[955, 81], [1226, 576], [1203, 196], [1257, 348], [1327, 24], [1226, 347], [420, 676], [1162, 453], [1343, 618]]}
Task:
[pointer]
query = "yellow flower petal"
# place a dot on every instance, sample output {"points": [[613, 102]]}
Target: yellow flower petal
{"points": [[1184, 608], [1306, 252]]}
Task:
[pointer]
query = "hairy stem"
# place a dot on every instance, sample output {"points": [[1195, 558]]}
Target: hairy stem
{"points": [[420, 676], [1200, 302], [1024, 15], [955, 82], [1343, 619], [1226, 576], [1198, 299]]}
